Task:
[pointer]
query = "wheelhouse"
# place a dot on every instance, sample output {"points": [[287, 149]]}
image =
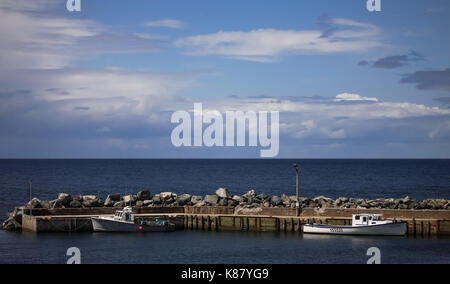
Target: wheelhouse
{"points": [[368, 219]]}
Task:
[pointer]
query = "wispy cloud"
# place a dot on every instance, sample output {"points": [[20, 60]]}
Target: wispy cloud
{"points": [[267, 45], [429, 80], [32, 38], [166, 23], [394, 61]]}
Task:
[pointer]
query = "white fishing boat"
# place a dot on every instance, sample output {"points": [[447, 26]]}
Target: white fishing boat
{"points": [[362, 224], [123, 221]]}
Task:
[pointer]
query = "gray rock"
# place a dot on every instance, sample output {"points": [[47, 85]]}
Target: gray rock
{"points": [[200, 204], [92, 202], [183, 199], [250, 194], [51, 204], [275, 201], [223, 193], [148, 202], [11, 225], [323, 198], [262, 197], [78, 198], [285, 200], [169, 201], [143, 195], [33, 204], [17, 215], [223, 202], [119, 204], [238, 198], [112, 199], [139, 203], [212, 199], [167, 195], [196, 199], [403, 206], [88, 197], [64, 199], [75, 204], [156, 199], [129, 199]]}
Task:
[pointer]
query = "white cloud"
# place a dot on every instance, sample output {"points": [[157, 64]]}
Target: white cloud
{"points": [[166, 23], [353, 97], [34, 38], [266, 45]]}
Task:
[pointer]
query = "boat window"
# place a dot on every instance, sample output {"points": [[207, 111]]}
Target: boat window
{"points": [[365, 219], [370, 218], [357, 218]]}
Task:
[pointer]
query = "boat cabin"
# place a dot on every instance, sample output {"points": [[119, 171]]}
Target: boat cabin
{"points": [[125, 215], [368, 220]]}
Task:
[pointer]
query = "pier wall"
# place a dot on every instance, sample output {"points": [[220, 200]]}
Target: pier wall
{"points": [[420, 222]]}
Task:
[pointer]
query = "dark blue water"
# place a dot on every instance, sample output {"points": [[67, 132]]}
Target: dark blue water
{"points": [[418, 179], [198, 247]]}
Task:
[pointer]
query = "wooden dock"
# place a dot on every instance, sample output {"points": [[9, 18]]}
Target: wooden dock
{"points": [[420, 222]]}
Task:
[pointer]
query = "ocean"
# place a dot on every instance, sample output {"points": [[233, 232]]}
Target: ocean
{"points": [[419, 179]]}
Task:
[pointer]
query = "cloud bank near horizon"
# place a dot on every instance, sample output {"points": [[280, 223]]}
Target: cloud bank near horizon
{"points": [[53, 108]]}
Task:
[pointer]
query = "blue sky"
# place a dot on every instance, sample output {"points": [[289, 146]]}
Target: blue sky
{"points": [[102, 83]]}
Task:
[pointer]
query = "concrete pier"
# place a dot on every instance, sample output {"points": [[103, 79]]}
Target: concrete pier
{"points": [[420, 222]]}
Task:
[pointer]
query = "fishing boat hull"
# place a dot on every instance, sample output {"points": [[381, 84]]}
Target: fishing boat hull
{"points": [[108, 225], [391, 229]]}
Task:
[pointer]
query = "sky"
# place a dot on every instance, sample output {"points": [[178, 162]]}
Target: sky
{"points": [[104, 82]]}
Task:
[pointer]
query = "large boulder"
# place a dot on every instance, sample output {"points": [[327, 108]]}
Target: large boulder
{"points": [[64, 199], [196, 199], [223, 193], [223, 202], [16, 215], [88, 197], [97, 202], [119, 204], [212, 199], [167, 195], [238, 198], [75, 204], [183, 199], [129, 199], [250, 194], [11, 225], [144, 195], [285, 200], [33, 204], [200, 204], [275, 201], [51, 204], [156, 199], [262, 197], [112, 199]]}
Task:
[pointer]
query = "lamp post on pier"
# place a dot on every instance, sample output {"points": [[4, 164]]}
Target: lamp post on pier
{"points": [[296, 187], [31, 194]]}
